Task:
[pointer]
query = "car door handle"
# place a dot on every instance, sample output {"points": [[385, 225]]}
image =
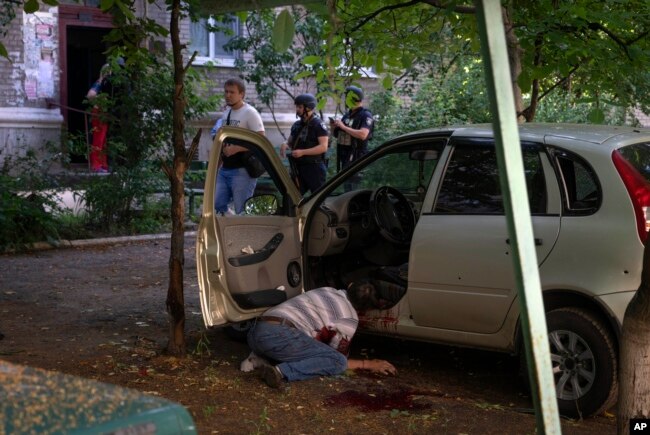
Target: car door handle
{"points": [[260, 255], [538, 242]]}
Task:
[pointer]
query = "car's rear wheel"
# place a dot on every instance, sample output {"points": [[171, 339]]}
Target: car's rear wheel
{"points": [[584, 362]]}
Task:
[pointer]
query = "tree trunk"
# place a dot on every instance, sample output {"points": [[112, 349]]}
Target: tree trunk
{"points": [[634, 367], [514, 58], [175, 298]]}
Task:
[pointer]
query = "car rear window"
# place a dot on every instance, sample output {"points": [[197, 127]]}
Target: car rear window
{"points": [[638, 155]]}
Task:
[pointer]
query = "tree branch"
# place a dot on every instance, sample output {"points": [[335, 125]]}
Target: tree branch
{"points": [[529, 112], [460, 8], [435, 3], [612, 36], [549, 90], [189, 62], [372, 15], [638, 38]]}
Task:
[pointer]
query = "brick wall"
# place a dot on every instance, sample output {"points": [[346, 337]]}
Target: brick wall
{"points": [[11, 84]]}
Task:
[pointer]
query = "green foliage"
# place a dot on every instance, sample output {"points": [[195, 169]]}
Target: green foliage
{"points": [[139, 112], [460, 97], [132, 198], [261, 426], [28, 199], [125, 200], [564, 107], [74, 226], [202, 346], [283, 31], [585, 48], [274, 71], [457, 98], [603, 47]]}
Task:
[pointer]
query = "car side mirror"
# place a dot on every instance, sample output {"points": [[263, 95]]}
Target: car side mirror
{"points": [[261, 205]]}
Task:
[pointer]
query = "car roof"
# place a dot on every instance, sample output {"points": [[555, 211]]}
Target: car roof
{"points": [[613, 136]]}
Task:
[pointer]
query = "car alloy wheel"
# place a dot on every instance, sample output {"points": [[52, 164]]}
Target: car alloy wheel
{"points": [[574, 365], [584, 362]]}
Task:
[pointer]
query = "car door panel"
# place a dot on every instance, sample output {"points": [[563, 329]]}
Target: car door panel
{"points": [[247, 263], [468, 284], [245, 239], [461, 276]]}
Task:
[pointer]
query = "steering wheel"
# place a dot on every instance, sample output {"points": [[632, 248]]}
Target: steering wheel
{"points": [[393, 214]]}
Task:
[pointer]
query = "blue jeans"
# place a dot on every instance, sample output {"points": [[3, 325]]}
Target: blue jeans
{"points": [[300, 356], [233, 184]]}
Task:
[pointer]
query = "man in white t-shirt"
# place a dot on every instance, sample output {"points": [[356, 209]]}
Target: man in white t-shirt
{"points": [[233, 182]]}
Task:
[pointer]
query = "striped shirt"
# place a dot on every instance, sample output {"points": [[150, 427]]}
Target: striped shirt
{"points": [[323, 313]]}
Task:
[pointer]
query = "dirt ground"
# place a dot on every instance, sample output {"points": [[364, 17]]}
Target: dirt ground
{"points": [[99, 312]]}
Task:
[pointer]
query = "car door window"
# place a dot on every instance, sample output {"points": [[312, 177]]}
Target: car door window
{"points": [[270, 196], [581, 187], [407, 169], [471, 181]]}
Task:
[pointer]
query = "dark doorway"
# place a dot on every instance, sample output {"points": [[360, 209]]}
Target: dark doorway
{"points": [[85, 57]]}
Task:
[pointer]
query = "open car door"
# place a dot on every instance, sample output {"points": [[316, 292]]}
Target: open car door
{"points": [[249, 262]]}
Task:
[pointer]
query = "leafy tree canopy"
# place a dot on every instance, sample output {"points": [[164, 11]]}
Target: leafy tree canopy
{"points": [[599, 51]]}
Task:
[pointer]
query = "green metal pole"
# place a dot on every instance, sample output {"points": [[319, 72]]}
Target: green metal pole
{"points": [[520, 229]]}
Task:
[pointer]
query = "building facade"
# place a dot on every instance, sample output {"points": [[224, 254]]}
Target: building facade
{"points": [[55, 55]]}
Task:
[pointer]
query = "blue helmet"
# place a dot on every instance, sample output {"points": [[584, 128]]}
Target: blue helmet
{"points": [[306, 100]]}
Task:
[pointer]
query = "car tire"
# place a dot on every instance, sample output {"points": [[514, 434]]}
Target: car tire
{"points": [[239, 331], [583, 358]]}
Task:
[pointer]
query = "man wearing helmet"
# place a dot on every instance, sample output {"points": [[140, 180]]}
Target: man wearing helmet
{"points": [[354, 130], [308, 143]]}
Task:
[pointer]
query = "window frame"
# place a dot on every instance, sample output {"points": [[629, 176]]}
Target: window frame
{"points": [[568, 183], [488, 144], [212, 56]]}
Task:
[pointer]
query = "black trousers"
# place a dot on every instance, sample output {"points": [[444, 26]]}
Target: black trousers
{"points": [[311, 176]]}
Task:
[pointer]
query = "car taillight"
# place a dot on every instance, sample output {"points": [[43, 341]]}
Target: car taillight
{"points": [[639, 190]]}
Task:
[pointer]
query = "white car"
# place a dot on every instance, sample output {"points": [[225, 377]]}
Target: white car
{"points": [[422, 216]]}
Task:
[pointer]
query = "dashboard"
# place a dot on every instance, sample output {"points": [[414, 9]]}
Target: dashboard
{"points": [[343, 222]]}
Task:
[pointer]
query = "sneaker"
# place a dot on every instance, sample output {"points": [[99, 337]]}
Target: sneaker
{"points": [[272, 376]]}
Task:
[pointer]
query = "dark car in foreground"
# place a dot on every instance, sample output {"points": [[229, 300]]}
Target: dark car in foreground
{"points": [[44, 402]]}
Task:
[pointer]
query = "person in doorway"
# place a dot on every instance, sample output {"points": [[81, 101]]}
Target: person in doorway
{"points": [[234, 184], [352, 132], [309, 335], [97, 156], [308, 142]]}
